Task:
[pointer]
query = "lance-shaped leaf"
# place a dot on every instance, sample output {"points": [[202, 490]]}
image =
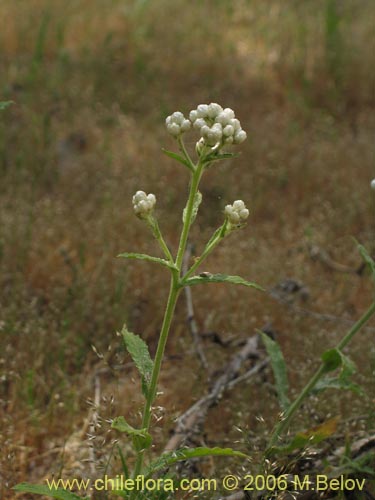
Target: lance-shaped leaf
{"points": [[312, 436], [179, 158], [169, 458], [219, 278], [141, 438], [149, 258], [139, 352], [279, 369], [219, 156], [197, 202], [38, 489]]}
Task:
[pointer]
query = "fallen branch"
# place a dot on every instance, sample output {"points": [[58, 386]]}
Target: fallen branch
{"points": [[193, 419]]}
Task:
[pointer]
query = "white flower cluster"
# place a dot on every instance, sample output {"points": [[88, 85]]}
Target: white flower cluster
{"points": [[216, 125], [143, 203], [177, 124], [373, 184], [236, 213]]}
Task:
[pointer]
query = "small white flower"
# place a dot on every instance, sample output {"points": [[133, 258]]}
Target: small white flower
{"points": [[199, 123], [185, 125], [143, 203], [202, 110], [228, 130], [174, 129], [240, 136], [214, 109], [236, 213], [193, 115], [373, 184]]}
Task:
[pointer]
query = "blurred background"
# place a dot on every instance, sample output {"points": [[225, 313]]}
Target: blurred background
{"points": [[92, 82]]}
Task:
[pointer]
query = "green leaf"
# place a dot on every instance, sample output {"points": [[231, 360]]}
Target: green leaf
{"points": [[179, 158], [219, 278], [5, 104], [312, 436], [138, 350], [336, 359], [332, 359], [141, 437], [171, 457], [219, 156], [279, 369], [149, 258], [38, 489], [197, 202]]}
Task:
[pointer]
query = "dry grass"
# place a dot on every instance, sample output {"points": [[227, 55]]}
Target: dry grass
{"points": [[92, 82]]}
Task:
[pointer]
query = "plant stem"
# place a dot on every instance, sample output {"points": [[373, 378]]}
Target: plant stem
{"points": [[284, 422], [174, 291], [196, 177], [168, 316]]}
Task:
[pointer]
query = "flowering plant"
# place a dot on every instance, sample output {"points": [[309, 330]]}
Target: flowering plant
{"points": [[217, 129]]}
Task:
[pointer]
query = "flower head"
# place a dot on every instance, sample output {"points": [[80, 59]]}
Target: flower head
{"points": [[143, 203], [217, 126], [373, 184], [236, 213]]}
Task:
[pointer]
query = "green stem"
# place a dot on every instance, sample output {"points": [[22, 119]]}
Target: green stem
{"points": [[174, 291], [289, 414], [196, 177], [153, 224], [186, 154], [348, 337], [168, 316]]}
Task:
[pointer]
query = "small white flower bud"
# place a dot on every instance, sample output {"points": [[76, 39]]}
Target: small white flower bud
{"points": [[193, 115], [185, 125], [228, 130], [199, 123], [151, 198], [178, 117], [240, 136], [214, 109], [244, 214], [174, 129], [202, 110], [205, 130], [235, 124], [222, 118], [139, 196], [229, 113], [373, 184], [238, 205]]}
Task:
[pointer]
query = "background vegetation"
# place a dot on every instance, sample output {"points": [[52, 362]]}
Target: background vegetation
{"points": [[92, 82]]}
